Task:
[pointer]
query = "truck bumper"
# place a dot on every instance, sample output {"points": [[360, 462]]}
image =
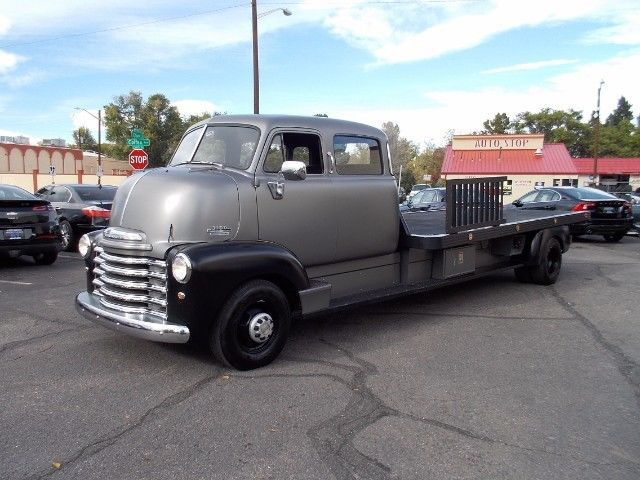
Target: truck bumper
{"points": [[137, 325]]}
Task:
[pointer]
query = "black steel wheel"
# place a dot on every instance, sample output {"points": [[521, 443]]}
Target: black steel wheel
{"points": [[523, 274], [615, 237], [546, 272], [45, 258], [252, 326], [68, 240]]}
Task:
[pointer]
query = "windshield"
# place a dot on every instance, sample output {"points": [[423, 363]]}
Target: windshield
{"points": [[8, 192], [90, 192], [229, 146], [590, 194]]}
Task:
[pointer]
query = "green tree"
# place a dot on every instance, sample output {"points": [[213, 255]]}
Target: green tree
{"points": [[498, 125], [84, 139], [401, 149], [156, 117], [620, 114], [558, 126]]}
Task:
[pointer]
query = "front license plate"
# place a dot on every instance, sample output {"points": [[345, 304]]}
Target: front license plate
{"points": [[13, 234]]}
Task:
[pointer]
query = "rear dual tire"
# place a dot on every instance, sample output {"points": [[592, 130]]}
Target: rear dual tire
{"points": [[547, 270]]}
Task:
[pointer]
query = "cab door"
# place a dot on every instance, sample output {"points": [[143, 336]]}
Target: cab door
{"points": [[300, 215]]}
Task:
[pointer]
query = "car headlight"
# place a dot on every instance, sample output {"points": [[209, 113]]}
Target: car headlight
{"points": [[181, 268], [84, 246]]}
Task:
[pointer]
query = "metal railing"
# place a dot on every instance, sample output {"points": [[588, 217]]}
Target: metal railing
{"points": [[474, 203]]}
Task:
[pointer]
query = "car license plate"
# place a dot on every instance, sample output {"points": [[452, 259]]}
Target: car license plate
{"points": [[13, 234], [609, 210]]}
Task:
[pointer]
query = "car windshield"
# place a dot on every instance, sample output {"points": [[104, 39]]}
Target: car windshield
{"points": [[90, 193], [589, 194], [417, 188], [8, 192], [228, 146]]}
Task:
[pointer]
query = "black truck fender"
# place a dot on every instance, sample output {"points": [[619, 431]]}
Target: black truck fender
{"points": [[220, 268], [534, 246]]}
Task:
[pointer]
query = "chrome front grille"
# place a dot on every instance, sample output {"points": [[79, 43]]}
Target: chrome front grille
{"points": [[131, 284]]}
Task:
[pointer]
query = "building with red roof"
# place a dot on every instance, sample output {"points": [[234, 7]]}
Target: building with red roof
{"points": [[525, 160], [613, 172]]}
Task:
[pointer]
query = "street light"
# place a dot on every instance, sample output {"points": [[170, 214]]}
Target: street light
{"points": [[99, 118], [596, 147], [256, 75]]}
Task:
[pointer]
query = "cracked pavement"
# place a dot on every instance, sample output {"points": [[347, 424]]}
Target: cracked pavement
{"points": [[489, 379]]}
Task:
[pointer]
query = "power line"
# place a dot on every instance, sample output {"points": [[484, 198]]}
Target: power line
{"points": [[123, 27], [222, 9]]}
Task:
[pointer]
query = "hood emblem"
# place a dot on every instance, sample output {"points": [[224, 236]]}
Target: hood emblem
{"points": [[219, 231]]}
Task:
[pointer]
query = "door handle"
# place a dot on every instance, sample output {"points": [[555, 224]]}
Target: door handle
{"points": [[276, 189]]}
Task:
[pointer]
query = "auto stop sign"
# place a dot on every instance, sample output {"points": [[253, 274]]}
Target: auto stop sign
{"points": [[138, 159]]}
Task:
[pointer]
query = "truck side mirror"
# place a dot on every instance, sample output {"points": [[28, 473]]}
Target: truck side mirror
{"points": [[293, 170]]}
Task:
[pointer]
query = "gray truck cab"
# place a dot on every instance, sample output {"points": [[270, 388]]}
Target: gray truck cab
{"points": [[268, 197]]}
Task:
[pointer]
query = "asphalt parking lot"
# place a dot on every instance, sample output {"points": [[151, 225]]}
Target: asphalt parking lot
{"points": [[490, 379]]}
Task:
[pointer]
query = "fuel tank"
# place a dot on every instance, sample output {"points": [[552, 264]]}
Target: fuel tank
{"points": [[183, 204]]}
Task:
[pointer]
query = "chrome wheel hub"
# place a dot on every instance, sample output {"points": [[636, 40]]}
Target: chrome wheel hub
{"points": [[261, 327]]}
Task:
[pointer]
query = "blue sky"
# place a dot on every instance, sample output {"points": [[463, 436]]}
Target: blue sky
{"points": [[429, 65]]}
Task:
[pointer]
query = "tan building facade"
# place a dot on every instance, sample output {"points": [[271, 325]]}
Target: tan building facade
{"points": [[29, 166]]}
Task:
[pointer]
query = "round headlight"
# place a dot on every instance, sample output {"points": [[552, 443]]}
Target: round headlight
{"points": [[181, 268], [84, 246]]}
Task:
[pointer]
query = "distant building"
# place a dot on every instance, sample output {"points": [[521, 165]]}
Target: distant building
{"points": [[525, 160], [19, 139], [614, 174], [54, 142]]}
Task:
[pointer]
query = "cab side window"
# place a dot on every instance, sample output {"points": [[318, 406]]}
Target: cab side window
{"points": [[275, 155], [300, 147], [357, 155]]}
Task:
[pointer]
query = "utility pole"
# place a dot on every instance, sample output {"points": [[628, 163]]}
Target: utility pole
{"points": [[99, 148], [596, 146], [256, 75]]}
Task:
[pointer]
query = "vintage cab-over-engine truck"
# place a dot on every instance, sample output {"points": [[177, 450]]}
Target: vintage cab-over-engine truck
{"points": [[260, 219]]}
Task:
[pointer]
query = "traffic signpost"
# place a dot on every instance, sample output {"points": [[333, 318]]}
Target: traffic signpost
{"points": [[138, 159], [138, 140]]}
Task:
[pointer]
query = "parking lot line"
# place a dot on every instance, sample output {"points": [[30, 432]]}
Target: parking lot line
{"points": [[11, 282]]}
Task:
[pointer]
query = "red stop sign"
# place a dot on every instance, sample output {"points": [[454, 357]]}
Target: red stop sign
{"points": [[138, 159]]}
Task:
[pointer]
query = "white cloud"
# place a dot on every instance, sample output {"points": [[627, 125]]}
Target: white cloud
{"points": [[529, 66], [4, 25], [195, 107], [465, 110], [89, 120], [625, 31], [8, 61], [406, 33]]}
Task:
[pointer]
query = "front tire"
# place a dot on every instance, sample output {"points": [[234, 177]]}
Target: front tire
{"points": [[45, 258], [252, 326], [612, 238]]}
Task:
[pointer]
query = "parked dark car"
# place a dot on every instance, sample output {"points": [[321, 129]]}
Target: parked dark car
{"points": [[28, 226], [610, 216], [82, 209], [429, 199], [634, 199]]}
